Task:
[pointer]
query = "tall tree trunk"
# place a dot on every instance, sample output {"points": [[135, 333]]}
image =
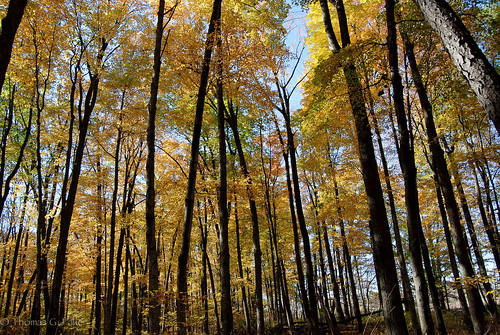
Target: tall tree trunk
{"points": [[152, 254], [10, 24], [15, 256], [491, 232], [451, 254], [225, 273], [233, 122], [98, 262], [6, 133], [492, 306], [406, 156], [296, 242], [240, 267], [291, 150], [109, 320], [457, 232], [69, 203], [182, 304], [347, 255], [335, 284], [466, 54], [407, 290], [379, 226]]}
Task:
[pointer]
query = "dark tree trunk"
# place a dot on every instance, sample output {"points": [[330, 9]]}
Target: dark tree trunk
{"points": [[355, 301], [182, 304], [406, 156], [296, 241], [69, 201], [10, 24], [109, 319], [491, 232], [457, 232], [451, 254], [98, 262], [466, 54], [240, 268], [152, 253], [233, 122], [7, 126], [225, 273], [15, 256], [379, 226], [407, 290], [335, 284], [492, 306], [291, 150]]}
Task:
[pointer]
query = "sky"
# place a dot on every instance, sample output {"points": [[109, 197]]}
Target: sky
{"points": [[296, 26]]}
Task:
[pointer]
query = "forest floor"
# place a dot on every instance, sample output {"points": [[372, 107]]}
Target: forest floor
{"points": [[374, 325]]}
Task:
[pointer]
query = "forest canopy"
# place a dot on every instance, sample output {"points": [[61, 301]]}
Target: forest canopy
{"points": [[201, 167]]}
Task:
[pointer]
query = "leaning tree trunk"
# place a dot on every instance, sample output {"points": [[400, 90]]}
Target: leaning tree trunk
{"points": [[466, 54], [383, 256], [10, 24], [182, 304], [69, 203], [406, 156], [456, 229]]}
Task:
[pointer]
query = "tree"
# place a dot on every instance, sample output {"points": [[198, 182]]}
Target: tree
{"points": [[466, 54], [10, 24], [379, 226], [193, 165]]}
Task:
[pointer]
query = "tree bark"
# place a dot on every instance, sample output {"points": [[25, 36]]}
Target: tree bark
{"points": [[457, 232], [385, 266], [182, 304], [225, 274], [491, 232], [465, 54], [152, 253], [406, 156], [233, 122], [355, 300], [69, 203], [291, 150], [10, 24]]}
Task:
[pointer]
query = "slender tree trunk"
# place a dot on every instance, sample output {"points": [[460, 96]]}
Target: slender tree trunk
{"points": [[451, 254], [379, 226], [15, 256], [335, 284], [492, 307], [296, 242], [407, 290], [355, 301], [125, 283], [233, 117], [152, 253], [491, 232], [182, 292], [67, 209], [240, 267], [225, 274], [457, 232], [98, 262], [291, 150], [407, 162]]}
